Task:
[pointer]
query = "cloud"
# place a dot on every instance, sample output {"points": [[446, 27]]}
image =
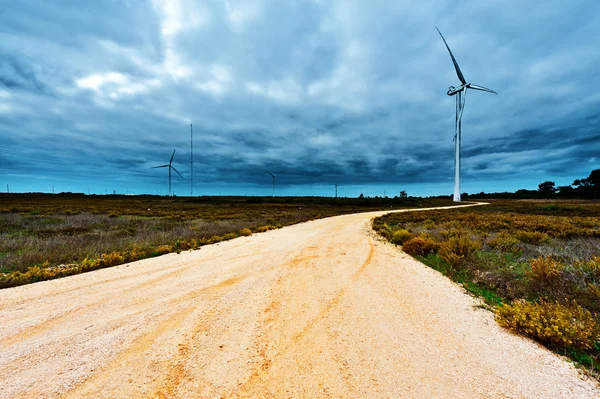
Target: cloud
{"points": [[95, 82], [321, 91], [15, 75]]}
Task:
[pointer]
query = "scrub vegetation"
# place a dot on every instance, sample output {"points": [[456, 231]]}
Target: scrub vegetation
{"points": [[535, 263], [48, 236]]}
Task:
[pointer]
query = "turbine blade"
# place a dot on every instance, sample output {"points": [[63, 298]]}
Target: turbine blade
{"points": [[162, 166], [270, 173], [171, 161], [458, 71], [176, 171], [472, 86]]}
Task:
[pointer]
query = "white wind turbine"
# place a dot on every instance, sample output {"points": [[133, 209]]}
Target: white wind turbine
{"points": [[461, 97]]}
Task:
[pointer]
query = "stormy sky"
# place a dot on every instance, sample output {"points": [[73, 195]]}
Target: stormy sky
{"points": [[321, 92]]}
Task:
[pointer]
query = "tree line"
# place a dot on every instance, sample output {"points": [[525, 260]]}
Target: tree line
{"points": [[585, 188]]}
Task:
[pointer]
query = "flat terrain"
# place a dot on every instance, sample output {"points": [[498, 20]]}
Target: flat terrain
{"points": [[45, 236], [316, 310]]}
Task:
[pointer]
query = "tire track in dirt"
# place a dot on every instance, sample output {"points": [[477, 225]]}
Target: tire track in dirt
{"points": [[55, 320], [119, 321], [275, 306], [174, 363], [178, 367], [101, 381], [141, 271]]}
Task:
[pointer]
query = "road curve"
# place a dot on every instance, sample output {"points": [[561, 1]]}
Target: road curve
{"points": [[322, 309]]}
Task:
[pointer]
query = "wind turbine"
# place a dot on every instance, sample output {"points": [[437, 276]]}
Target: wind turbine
{"points": [[170, 167], [461, 92], [192, 160], [273, 176]]}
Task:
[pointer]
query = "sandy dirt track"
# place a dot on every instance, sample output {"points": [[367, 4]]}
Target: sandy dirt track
{"points": [[322, 309]]}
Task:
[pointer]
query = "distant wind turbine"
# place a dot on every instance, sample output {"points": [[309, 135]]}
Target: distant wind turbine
{"points": [[273, 176], [460, 106], [170, 166]]}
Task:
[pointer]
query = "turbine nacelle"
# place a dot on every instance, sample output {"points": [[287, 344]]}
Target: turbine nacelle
{"points": [[453, 90]]}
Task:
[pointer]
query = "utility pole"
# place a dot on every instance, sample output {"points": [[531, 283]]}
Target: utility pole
{"points": [[192, 159]]}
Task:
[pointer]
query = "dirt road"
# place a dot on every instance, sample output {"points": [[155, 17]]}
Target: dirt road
{"points": [[318, 310]]}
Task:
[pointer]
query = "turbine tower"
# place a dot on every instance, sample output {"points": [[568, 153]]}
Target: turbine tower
{"points": [[170, 166], [273, 176], [461, 96], [192, 159]]}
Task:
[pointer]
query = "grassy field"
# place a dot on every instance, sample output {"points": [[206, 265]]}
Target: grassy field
{"points": [[536, 263], [50, 236]]}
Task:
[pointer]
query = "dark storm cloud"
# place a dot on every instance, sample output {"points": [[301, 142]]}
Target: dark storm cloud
{"points": [[14, 75], [552, 149], [351, 92]]}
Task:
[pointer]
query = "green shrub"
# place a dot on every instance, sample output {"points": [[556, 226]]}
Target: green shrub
{"points": [[532, 237], [420, 246], [594, 289], [228, 236], [503, 241], [453, 232], [554, 324], [245, 232], [546, 271], [89, 264], [591, 267], [401, 236], [384, 230], [163, 249], [429, 224], [458, 249], [134, 254], [111, 259]]}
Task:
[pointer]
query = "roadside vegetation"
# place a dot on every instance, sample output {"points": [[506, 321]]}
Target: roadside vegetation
{"points": [[535, 263], [49, 236]]}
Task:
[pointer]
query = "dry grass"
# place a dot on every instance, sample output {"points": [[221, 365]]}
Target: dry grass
{"points": [[28, 240], [49, 236]]}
